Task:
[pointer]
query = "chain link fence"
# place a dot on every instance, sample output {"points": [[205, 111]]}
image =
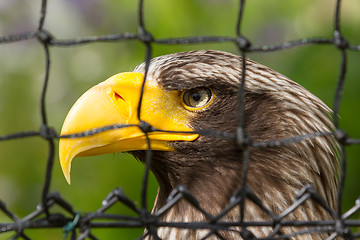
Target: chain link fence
{"points": [[79, 225]]}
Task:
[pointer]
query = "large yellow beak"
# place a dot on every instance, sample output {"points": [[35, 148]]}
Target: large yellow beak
{"points": [[115, 101]]}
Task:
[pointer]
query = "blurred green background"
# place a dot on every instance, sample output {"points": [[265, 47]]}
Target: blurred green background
{"points": [[75, 69]]}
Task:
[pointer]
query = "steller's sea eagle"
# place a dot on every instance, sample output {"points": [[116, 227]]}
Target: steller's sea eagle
{"points": [[198, 90]]}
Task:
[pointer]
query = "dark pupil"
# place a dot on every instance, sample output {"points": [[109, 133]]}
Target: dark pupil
{"points": [[196, 97]]}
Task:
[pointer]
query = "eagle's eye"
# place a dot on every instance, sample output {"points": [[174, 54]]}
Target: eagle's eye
{"points": [[197, 98]]}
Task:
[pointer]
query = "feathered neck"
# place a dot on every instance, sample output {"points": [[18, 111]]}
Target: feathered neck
{"points": [[275, 108], [214, 186]]}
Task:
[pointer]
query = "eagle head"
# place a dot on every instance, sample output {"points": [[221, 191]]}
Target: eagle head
{"points": [[188, 92]]}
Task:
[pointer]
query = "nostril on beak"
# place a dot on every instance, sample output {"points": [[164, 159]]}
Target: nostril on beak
{"points": [[118, 97]]}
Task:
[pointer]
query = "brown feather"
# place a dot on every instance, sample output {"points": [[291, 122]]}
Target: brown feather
{"points": [[275, 108]]}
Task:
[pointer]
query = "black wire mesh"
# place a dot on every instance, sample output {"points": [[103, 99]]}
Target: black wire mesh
{"points": [[43, 217]]}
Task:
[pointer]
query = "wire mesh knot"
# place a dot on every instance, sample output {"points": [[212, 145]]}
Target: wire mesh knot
{"points": [[242, 139], [341, 136], [144, 35], [243, 43], [145, 127], [44, 36], [340, 41], [147, 218], [342, 230], [47, 132]]}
